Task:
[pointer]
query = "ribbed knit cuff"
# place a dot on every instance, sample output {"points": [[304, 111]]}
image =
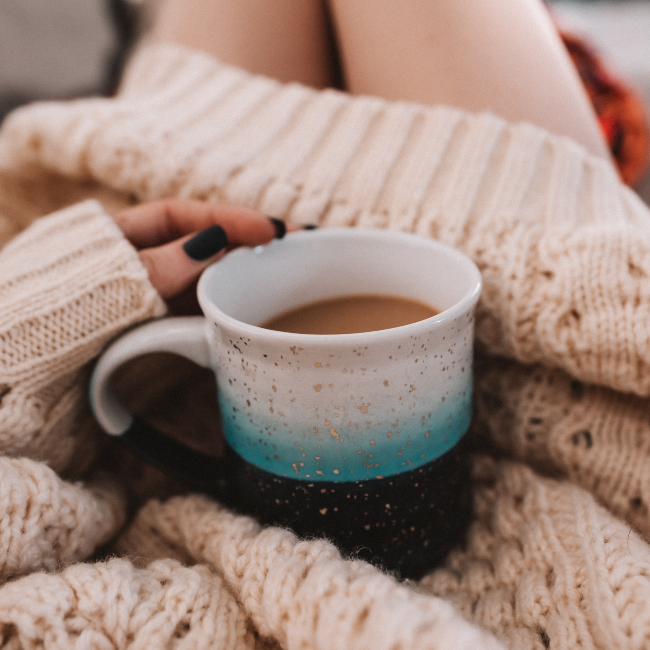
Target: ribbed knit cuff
{"points": [[68, 284]]}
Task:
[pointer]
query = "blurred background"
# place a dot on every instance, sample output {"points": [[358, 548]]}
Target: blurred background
{"points": [[57, 49]]}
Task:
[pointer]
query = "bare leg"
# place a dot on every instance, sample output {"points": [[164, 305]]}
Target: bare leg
{"points": [[284, 39], [500, 55]]}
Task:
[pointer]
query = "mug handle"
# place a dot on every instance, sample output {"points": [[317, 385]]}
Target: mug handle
{"points": [[186, 336]]}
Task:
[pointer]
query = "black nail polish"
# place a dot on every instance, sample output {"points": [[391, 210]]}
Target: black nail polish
{"points": [[309, 226], [206, 243], [280, 227]]}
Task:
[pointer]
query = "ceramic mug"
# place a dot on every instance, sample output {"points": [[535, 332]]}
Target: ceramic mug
{"points": [[352, 436]]}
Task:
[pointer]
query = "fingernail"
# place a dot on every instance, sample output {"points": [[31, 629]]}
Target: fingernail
{"points": [[206, 243], [280, 227], [309, 226]]}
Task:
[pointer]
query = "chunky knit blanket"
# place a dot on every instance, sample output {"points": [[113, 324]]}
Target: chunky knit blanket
{"points": [[556, 556]]}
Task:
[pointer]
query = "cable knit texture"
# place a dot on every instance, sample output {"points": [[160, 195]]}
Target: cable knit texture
{"points": [[46, 522], [116, 605], [556, 556], [300, 593], [547, 567]]}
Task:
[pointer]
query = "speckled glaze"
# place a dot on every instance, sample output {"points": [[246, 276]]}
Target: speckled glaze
{"points": [[340, 410], [342, 407]]}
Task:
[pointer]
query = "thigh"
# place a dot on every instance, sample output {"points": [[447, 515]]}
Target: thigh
{"points": [[498, 55], [285, 39]]}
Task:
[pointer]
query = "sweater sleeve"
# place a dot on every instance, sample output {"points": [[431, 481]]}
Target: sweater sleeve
{"points": [[563, 246], [68, 284]]}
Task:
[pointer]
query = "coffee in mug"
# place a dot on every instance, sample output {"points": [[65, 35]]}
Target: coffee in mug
{"points": [[351, 314], [353, 436]]}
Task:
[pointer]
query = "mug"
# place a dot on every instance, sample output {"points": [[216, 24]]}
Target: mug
{"points": [[355, 437]]}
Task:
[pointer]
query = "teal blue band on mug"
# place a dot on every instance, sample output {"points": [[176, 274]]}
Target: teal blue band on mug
{"points": [[344, 446]]}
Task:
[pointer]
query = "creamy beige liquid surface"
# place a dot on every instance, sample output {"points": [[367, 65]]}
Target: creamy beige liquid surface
{"points": [[351, 314]]}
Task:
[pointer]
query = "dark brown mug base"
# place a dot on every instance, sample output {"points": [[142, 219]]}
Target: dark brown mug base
{"points": [[405, 523]]}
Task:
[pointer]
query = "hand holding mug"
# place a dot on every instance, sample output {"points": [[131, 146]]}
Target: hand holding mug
{"points": [[355, 436], [177, 239]]}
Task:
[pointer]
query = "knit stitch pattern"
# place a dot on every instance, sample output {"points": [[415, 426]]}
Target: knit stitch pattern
{"points": [[562, 245], [562, 381], [114, 604], [300, 593], [48, 523], [598, 438], [544, 562], [48, 297]]}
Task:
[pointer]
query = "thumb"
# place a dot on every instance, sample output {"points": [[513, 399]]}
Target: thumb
{"points": [[174, 266]]}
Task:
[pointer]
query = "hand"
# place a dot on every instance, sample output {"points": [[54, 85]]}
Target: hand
{"points": [[176, 239]]}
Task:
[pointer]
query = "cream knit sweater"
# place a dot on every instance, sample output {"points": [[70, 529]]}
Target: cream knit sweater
{"points": [[556, 557]]}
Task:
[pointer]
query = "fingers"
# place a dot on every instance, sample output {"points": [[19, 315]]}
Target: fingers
{"points": [[159, 222], [179, 238], [172, 268]]}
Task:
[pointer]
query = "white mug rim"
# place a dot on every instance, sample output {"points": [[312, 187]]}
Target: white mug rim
{"points": [[462, 306]]}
